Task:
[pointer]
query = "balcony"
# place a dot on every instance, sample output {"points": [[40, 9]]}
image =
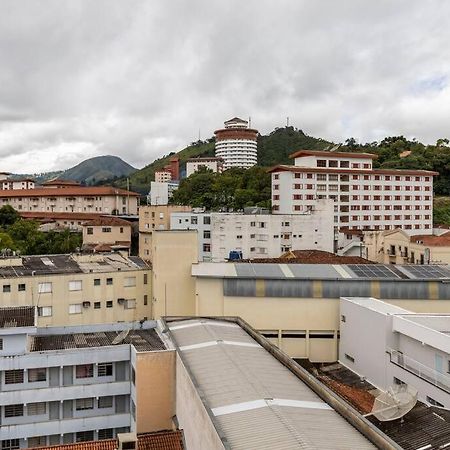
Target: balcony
{"points": [[438, 379]]}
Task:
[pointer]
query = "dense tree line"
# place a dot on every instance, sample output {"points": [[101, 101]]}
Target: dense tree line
{"points": [[24, 236], [233, 189]]}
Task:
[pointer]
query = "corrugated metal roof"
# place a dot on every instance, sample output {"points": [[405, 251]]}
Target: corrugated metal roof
{"points": [[230, 375]]}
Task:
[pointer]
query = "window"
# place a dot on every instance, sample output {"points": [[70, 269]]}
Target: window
{"points": [[1, 344], [145, 300], [6, 288], [344, 164], [76, 285], [37, 441], [10, 444], [36, 409], [44, 311], [83, 436], [21, 287], [130, 304], [129, 281], [14, 376], [145, 278], [84, 371], [105, 402], [332, 163], [109, 304], [39, 374], [97, 305], [84, 403], [206, 220], [14, 410], [321, 163], [90, 230], [106, 229], [106, 433], [44, 288], [75, 309], [206, 234], [343, 318], [133, 375]]}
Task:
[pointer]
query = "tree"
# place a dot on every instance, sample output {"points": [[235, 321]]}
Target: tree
{"points": [[8, 216]]}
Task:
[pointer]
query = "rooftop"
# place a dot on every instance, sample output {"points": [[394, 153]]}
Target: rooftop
{"points": [[254, 399], [47, 215], [327, 154], [17, 316], [442, 240], [107, 221], [142, 340], [308, 271], [57, 182], [161, 440], [64, 264]]}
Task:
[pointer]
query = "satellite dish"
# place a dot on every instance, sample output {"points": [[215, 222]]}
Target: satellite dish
{"points": [[120, 337], [394, 403]]}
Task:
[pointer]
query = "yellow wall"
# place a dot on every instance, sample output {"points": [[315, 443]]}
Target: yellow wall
{"points": [[100, 237], [155, 390]]}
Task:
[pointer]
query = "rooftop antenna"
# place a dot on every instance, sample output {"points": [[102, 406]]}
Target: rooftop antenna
{"points": [[287, 122], [199, 134], [249, 122]]}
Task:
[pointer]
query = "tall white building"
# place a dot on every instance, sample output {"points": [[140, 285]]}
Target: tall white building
{"points": [[405, 348], [364, 198], [258, 235], [237, 144]]}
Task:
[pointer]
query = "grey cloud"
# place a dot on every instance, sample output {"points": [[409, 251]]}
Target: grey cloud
{"points": [[138, 79]]}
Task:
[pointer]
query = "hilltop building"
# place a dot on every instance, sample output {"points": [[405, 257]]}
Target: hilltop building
{"points": [[195, 164], [170, 172], [236, 144], [365, 198]]}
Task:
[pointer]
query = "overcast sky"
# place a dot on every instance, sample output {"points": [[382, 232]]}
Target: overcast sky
{"points": [[138, 79]]}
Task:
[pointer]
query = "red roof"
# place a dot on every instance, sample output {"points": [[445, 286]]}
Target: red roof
{"points": [[161, 440], [44, 215], [68, 191], [433, 241], [301, 153], [57, 182], [107, 221], [285, 168]]}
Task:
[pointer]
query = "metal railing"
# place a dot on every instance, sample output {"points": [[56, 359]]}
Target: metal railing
{"points": [[439, 379]]}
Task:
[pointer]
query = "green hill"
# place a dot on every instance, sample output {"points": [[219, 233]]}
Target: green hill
{"points": [[273, 149], [98, 169]]}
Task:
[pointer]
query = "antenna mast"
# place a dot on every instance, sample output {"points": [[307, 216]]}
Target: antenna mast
{"points": [[287, 121]]}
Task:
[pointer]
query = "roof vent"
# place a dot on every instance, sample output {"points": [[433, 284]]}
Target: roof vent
{"points": [[127, 441]]}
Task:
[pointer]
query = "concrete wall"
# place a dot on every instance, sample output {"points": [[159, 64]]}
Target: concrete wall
{"points": [[193, 418], [155, 390], [99, 236]]}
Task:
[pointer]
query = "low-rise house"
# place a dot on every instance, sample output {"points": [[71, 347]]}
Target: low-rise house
{"points": [[106, 234], [211, 163]]}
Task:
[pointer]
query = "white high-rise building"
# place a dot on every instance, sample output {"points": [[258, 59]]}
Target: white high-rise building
{"points": [[364, 198], [237, 144]]}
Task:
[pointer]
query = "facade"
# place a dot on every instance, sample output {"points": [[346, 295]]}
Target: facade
{"points": [[161, 192], [364, 198], [258, 235], [195, 164], [397, 247], [78, 289], [25, 183], [79, 199], [405, 348], [163, 176], [236, 144], [296, 306], [153, 218], [72, 384], [59, 220], [107, 233]]}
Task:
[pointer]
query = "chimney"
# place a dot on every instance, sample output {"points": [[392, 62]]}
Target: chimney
{"points": [[127, 441]]}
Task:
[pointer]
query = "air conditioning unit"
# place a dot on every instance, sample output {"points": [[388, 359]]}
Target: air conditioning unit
{"points": [[86, 304], [120, 301]]}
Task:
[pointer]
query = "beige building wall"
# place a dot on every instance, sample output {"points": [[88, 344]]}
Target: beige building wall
{"points": [[396, 247], [155, 390], [192, 414], [174, 287], [114, 286], [99, 235]]}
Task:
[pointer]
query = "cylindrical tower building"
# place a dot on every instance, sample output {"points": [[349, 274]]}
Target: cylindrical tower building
{"points": [[236, 144]]}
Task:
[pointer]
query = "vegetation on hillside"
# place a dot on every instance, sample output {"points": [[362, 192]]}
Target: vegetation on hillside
{"points": [[17, 234], [233, 189]]}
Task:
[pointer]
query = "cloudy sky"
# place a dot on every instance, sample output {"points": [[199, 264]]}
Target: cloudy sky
{"points": [[139, 78]]}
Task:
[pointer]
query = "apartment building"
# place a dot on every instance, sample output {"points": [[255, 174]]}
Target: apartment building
{"points": [[397, 247], [78, 289], [163, 176], [18, 183], [161, 192], [59, 220], [79, 199], [405, 348], [107, 234], [195, 164], [151, 218], [258, 235], [365, 198], [79, 383], [237, 144]]}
